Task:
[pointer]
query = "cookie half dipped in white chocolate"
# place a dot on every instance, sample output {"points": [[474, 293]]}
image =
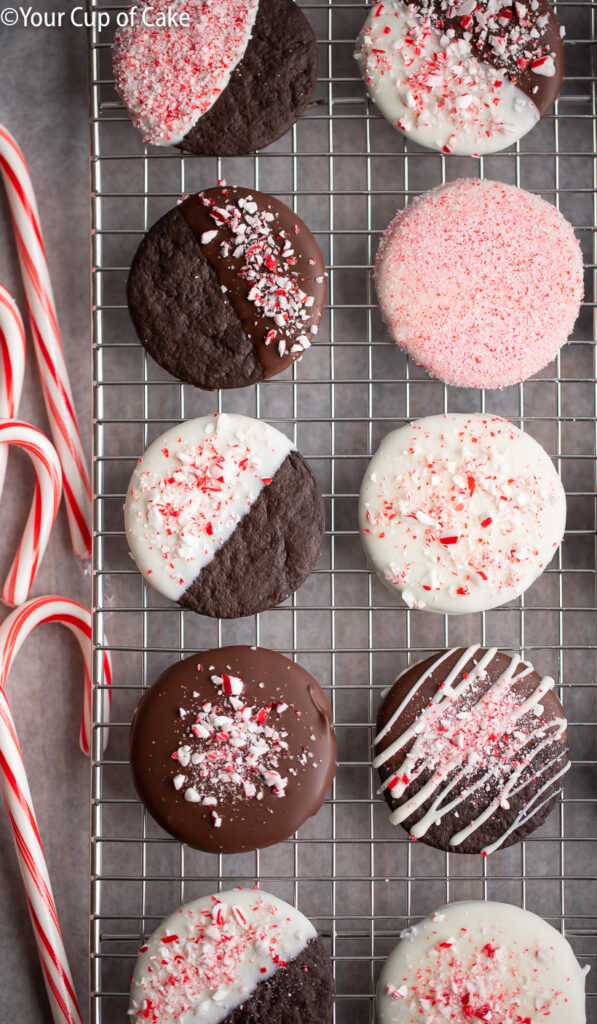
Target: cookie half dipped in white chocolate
{"points": [[476, 962], [471, 750], [460, 513], [224, 516], [240, 956], [465, 77]]}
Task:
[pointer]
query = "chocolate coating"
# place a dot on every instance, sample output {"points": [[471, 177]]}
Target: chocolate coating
{"points": [[535, 792], [268, 90], [542, 90], [247, 823], [192, 328], [308, 271]]}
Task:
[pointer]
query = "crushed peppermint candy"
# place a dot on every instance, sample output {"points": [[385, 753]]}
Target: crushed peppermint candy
{"points": [[465, 514], [206, 959], [171, 67], [481, 967], [232, 750], [460, 76], [265, 256]]}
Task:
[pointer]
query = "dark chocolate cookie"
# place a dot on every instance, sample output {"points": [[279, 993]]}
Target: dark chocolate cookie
{"points": [[215, 77], [224, 516], [268, 91], [227, 289], [233, 749], [471, 750], [238, 957]]}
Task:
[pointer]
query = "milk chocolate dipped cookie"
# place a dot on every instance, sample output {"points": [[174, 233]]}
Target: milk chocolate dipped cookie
{"points": [[238, 957], [467, 77], [227, 289], [471, 749], [223, 515], [460, 513], [216, 77], [233, 749], [481, 962]]}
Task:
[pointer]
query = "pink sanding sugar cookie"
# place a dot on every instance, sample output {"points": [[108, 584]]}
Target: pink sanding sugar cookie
{"points": [[172, 61], [480, 282]]}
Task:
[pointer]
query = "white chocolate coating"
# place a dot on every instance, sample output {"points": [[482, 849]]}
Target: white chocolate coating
{"points": [[170, 74], [481, 961], [190, 490], [209, 957], [434, 90], [460, 513]]}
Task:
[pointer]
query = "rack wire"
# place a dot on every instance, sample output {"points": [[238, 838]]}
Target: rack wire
{"points": [[345, 171]]}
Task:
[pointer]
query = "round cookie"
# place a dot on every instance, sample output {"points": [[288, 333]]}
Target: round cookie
{"points": [[238, 957], [480, 282], [233, 749], [481, 961], [471, 749], [460, 513], [227, 289], [223, 515], [228, 78], [467, 78]]}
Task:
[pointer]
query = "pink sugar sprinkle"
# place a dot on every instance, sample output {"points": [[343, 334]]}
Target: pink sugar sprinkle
{"points": [[480, 282], [169, 76]]}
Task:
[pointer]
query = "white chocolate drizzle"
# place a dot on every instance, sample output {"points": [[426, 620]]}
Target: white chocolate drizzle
{"points": [[473, 741]]}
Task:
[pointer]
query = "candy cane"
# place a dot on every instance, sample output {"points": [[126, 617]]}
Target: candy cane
{"points": [[46, 499], [12, 364], [17, 795], [46, 339]]}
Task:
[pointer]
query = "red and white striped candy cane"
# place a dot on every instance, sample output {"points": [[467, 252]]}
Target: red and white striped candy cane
{"points": [[47, 341], [17, 795], [12, 364], [46, 499]]}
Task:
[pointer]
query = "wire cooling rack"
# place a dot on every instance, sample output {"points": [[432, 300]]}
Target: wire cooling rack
{"points": [[345, 171]]}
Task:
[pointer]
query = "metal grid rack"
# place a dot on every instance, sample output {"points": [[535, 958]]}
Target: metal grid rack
{"points": [[346, 172]]}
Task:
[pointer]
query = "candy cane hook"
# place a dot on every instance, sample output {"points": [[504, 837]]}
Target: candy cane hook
{"points": [[17, 795], [12, 364], [46, 499], [47, 341]]}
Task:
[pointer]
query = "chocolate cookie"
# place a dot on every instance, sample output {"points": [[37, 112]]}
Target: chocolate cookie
{"points": [[471, 750], [223, 515], [215, 77], [233, 749], [238, 957], [469, 78], [227, 289]]}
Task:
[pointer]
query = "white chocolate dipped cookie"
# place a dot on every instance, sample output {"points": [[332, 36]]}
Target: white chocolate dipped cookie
{"points": [[460, 513], [223, 515], [481, 962], [242, 955], [465, 78]]}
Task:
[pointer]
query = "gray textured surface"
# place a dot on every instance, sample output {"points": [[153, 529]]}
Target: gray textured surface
{"points": [[43, 101]]}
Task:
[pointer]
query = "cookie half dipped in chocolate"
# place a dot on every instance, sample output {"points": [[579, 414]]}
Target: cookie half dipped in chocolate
{"points": [[227, 289], [233, 749], [223, 515], [470, 77], [215, 77], [237, 957], [471, 749]]}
